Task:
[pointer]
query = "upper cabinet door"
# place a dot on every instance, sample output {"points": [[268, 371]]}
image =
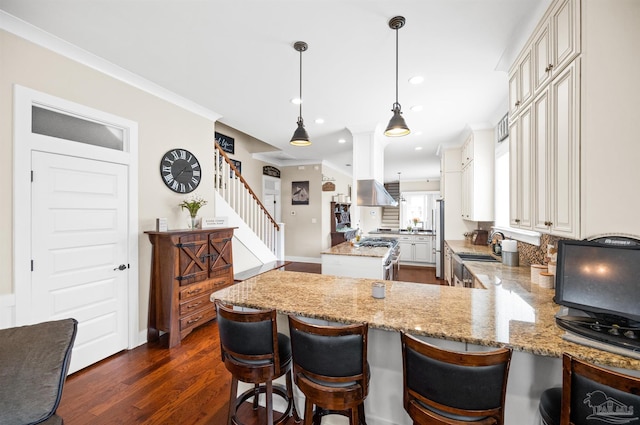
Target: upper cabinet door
{"points": [[565, 29], [541, 58]]}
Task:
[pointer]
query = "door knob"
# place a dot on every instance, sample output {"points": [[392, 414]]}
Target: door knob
{"points": [[121, 267]]}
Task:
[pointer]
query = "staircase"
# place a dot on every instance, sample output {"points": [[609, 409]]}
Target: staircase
{"points": [[255, 228], [391, 215]]}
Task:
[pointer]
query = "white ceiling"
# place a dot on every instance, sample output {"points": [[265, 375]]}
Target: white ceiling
{"points": [[236, 58]]}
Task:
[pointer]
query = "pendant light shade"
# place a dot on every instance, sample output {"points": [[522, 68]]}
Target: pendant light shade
{"points": [[300, 136], [397, 126]]}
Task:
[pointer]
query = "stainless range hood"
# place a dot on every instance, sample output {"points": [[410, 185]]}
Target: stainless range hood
{"points": [[373, 194]]}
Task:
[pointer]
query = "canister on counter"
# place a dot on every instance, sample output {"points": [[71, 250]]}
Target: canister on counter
{"points": [[536, 269], [547, 280]]}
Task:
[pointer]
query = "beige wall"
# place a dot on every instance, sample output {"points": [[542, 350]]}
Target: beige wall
{"points": [[303, 237], [420, 186], [162, 126]]}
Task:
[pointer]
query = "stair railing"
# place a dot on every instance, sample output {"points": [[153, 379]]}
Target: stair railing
{"points": [[235, 190]]}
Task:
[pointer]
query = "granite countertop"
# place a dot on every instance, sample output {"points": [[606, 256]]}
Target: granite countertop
{"points": [[510, 312], [347, 248]]}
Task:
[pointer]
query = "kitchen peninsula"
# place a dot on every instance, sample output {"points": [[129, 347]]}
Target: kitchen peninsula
{"points": [[510, 312]]}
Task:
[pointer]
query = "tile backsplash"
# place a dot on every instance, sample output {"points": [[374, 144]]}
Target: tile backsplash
{"points": [[531, 254]]}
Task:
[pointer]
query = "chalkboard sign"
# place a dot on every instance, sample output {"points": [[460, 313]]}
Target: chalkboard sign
{"points": [[268, 170], [226, 143]]}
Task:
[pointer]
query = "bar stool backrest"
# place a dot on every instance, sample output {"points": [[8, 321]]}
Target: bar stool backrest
{"points": [[248, 339], [592, 394], [466, 386], [330, 353]]}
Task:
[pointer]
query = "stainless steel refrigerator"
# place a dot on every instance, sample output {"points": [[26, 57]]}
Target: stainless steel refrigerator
{"points": [[439, 242]]}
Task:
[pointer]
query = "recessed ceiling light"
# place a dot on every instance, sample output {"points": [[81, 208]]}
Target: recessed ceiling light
{"points": [[418, 148], [319, 121], [416, 80], [416, 108], [296, 101], [342, 141]]}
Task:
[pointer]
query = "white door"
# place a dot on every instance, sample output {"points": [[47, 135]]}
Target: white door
{"points": [[79, 242]]}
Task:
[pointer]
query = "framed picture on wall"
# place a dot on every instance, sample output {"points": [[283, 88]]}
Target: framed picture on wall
{"points": [[300, 193], [226, 143]]}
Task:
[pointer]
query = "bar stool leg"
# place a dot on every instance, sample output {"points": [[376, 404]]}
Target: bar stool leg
{"points": [[353, 419], [296, 418], [232, 400]]}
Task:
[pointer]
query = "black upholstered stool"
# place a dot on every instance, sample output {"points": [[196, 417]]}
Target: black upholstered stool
{"points": [[448, 387], [549, 406], [254, 352], [591, 394], [330, 368]]}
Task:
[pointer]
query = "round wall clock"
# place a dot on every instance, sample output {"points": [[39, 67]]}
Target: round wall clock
{"points": [[180, 170]]}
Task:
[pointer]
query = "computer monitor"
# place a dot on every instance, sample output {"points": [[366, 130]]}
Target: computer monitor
{"points": [[600, 278]]}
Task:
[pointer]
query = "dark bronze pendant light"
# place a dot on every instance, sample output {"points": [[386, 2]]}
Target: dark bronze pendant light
{"points": [[397, 127], [300, 136]]}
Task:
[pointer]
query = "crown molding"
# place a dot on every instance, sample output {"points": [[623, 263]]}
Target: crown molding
{"points": [[49, 41]]}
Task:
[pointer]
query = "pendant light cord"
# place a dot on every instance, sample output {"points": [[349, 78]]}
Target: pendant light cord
{"points": [[300, 117], [396, 65]]}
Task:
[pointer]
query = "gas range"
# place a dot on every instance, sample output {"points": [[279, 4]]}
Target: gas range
{"points": [[378, 242]]}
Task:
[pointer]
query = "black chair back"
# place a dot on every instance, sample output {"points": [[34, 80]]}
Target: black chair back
{"points": [[248, 339], [456, 385], [592, 394]]}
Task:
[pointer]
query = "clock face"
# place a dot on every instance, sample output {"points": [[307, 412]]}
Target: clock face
{"points": [[180, 170]]}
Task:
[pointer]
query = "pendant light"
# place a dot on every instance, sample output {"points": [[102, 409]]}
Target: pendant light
{"points": [[300, 136], [397, 127]]}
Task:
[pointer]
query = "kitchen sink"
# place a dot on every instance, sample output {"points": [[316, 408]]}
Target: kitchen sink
{"points": [[476, 257]]}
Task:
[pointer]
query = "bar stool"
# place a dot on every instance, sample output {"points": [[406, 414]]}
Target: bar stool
{"points": [[254, 352], [591, 394], [449, 387], [330, 368]]}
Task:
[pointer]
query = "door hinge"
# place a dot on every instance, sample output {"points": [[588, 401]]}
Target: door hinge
{"points": [[31, 265], [31, 176]]}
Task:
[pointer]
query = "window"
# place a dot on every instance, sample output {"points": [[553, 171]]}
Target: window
{"points": [[419, 206]]}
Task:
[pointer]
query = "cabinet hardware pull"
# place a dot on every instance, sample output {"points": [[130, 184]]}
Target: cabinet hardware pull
{"points": [[194, 320], [517, 103], [548, 68], [517, 220], [194, 305], [194, 291]]}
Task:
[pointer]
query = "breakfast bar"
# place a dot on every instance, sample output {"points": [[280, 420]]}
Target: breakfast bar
{"points": [[509, 312]]}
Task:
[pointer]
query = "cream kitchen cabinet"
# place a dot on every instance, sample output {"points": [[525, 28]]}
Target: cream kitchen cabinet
{"points": [[553, 45], [520, 171], [416, 249], [477, 176], [520, 84], [589, 119], [557, 155], [556, 43], [544, 160]]}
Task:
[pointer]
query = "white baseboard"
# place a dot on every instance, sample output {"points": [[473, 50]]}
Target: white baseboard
{"points": [[7, 311], [304, 259]]}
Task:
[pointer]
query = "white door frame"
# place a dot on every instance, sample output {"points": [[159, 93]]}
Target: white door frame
{"points": [[24, 142]]}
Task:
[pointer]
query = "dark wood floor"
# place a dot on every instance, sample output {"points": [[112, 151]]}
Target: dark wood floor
{"points": [[187, 385]]}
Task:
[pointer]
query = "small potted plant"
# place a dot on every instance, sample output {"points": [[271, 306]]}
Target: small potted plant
{"points": [[193, 204]]}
